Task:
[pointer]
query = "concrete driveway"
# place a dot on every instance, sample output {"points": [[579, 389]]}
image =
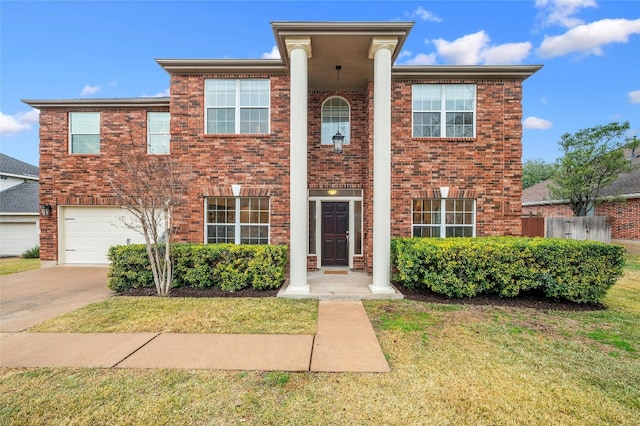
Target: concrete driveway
{"points": [[28, 298]]}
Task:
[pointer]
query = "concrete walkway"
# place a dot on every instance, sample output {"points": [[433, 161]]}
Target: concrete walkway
{"points": [[345, 342], [28, 298]]}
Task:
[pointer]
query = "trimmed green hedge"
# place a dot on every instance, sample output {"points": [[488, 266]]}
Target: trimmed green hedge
{"points": [[578, 271], [227, 266]]}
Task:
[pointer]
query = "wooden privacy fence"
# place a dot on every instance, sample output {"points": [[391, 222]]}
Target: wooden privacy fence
{"points": [[533, 226], [595, 228]]}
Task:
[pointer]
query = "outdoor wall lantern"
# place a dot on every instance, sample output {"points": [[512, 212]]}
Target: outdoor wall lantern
{"points": [[338, 142], [45, 209]]}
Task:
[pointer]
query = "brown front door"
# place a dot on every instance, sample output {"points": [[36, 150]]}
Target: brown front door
{"points": [[335, 233]]}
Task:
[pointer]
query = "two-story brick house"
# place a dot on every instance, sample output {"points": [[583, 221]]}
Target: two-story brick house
{"points": [[427, 151]]}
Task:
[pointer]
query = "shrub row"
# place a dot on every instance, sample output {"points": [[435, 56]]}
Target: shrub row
{"points": [[226, 266], [578, 271]]}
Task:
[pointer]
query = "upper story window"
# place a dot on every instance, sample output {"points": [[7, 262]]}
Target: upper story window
{"points": [[158, 135], [444, 217], [335, 117], [237, 106], [444, 110], [84, 132]]}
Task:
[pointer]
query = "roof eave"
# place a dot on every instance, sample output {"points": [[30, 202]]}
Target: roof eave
{"points": [[216, 66], [476, 72], [99, 103]]}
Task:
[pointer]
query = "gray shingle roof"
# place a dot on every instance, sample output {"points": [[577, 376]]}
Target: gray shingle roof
{"points": [[21, 198], [12, 166]]}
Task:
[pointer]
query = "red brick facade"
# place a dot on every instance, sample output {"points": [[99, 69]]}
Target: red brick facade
{"points": [[486, 168]]}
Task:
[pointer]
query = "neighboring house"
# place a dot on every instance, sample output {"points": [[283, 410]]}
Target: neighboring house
{"points": [[621, 202], [19, 207], [427, 151]]}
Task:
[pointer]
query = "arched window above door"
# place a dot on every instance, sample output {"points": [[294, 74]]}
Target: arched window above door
{"points": [[336, 117]]}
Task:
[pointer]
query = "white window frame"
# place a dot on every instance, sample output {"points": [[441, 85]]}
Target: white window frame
{"points": [[238, 104], [237, 224], [443, 225], [329, 130], [447, 104], [152, 133], [93, 129]]}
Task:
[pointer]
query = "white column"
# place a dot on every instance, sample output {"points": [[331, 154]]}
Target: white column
{"points": [[381, 51], [299, 49]]}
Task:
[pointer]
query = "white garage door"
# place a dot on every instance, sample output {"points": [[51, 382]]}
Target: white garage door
{"points": [[88, 232], [17, 237]]}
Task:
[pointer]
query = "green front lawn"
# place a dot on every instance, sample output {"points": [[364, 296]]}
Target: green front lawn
{"points": [[451, 364], [11, 265]]}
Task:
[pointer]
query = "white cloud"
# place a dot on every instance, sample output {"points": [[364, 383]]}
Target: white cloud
{"points": [[422, 59], [509, 53], [536, 123], [424, 15], [89, 90], [473, 49], [589, 38], [23, 121], [560, 12], [274, 54], [634, 97], [464, 50]]}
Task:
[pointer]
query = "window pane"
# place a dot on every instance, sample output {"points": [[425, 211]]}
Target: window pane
{"points": [[254, 93], [357, 225], [85, 144], [426, 231], [312, 227], [221, 120], [220, 93], [254, 120]]}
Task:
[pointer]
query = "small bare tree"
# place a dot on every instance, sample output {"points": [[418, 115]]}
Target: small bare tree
{"points": [[150, 187]]}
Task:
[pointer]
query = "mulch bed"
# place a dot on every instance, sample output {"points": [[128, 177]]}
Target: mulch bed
{"points": [[528, 300]]}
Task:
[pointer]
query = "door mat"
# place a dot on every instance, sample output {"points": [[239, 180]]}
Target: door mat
{"points": [[335, 272]]}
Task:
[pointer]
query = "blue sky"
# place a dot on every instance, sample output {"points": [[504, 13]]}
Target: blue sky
{"points": [[106, 49]]}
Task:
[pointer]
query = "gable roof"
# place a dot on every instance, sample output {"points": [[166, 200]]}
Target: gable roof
{"points": [[23, 198], [14, 167], [627, 185]]}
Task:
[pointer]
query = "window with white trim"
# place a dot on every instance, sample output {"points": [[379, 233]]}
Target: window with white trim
{"points": [[441, 217], [158, 135], [237, 106], [444, 110], [84, 132], [335, 117], [237, 220]]}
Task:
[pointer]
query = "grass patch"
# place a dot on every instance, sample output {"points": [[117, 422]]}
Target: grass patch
{"points": [[188, 315], [632, 262], [450, 364], [12, 265], [610, 339]]}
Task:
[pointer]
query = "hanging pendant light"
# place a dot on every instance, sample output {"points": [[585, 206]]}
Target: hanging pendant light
{"points": [[338, 138]]}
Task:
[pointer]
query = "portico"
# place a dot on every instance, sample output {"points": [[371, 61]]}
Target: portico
{"points": [[365, 52]]}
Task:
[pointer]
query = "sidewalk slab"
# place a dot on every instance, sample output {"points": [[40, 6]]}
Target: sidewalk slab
{"points": [[265, 352], [69, 349], [345, 341]]}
